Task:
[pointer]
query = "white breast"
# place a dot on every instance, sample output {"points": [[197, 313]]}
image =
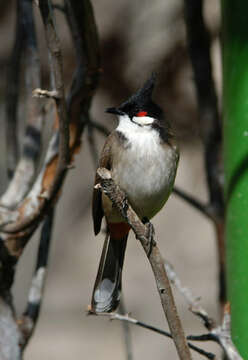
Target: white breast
{"points": [[145, 170]]}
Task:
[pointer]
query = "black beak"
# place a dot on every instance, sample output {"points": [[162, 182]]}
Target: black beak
{"points": [[115, 111]]}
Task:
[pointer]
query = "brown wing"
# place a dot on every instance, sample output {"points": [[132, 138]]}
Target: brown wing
{"points": [[106, 162]]}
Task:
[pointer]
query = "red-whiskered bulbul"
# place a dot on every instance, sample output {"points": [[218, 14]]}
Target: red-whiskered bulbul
{"points": [[142, 158]]}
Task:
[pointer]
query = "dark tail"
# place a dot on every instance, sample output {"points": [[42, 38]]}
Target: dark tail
{"points": [[107, 289]]}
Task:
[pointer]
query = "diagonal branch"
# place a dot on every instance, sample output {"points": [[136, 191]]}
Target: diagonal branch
{"points": [[192, 301], [100, 128], [143, 233], [203, 208]]}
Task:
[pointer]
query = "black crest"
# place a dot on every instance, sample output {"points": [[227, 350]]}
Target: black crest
{"points": [[141, 101]]}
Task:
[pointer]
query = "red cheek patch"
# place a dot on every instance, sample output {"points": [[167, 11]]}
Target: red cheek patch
{"points": [[142, 113]]}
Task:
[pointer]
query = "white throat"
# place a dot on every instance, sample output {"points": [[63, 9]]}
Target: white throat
{"points": [[143, 120]]}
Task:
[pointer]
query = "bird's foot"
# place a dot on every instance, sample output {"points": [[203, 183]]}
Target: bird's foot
{"points": [[150, 234], [125, 205]]}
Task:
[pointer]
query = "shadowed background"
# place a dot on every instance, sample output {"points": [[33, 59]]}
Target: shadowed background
{"points": [[135, 40]]}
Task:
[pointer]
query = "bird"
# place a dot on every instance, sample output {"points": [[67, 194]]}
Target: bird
{"points": [[142, 156]]}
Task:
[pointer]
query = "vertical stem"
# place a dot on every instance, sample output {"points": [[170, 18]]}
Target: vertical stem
{"points": [[235, 110], [126, 332], [54, 48], [199, 43], [30, 317], [12, 88]]}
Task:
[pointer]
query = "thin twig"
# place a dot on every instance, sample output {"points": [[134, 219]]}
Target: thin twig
{"points": [[30, 317], [100, 128], [142, 232], [126, 318], [192, 301], [53, 44], [223, 334], [52, 94], [127, 332], [80, 17], [197, 204], [219, 334]]}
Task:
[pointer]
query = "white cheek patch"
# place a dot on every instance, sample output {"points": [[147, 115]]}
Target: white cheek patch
{"points": [[143, 120]]}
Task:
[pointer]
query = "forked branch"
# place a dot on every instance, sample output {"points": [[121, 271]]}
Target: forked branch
{"points": [[220, 334], [127, 318]]}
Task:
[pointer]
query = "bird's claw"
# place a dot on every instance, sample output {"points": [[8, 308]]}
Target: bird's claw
{"points": [[150, 234]]}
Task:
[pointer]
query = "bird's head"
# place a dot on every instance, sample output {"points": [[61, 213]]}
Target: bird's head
{"points": [[140, 108]]}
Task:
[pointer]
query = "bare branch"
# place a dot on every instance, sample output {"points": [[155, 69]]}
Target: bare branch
{"points": [[12, 95], [127, 332], [53, 94], [79, 100], [63, 132], [144, 234], [28, 321], [219, 334], [128, 319], [10, 336], [80, 17], [84, 84], [100, 128], [53, 44], [193, 302], [223, 334], [27, 165], [23, 220], [203, 208]]}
